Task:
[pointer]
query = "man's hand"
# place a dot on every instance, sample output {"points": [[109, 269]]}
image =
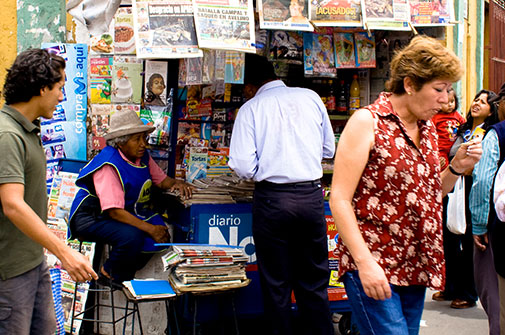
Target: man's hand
{"points": [[481, 241], [77, 265]]}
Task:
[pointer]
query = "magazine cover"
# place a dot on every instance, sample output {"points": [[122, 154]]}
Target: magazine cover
{"points": [[365, 50], [190, 71], [100, 79], [126, 80], [286, 46], [226, 24], [208, 66], [124, 39], [319, 56], [100, 124], [220, 65], [51, 170], [165, 29], [284, 14], [102, 42], [160, 117], [234, 67], [342, 13], [197, 164], [344, 50], [218, 162], [387, 14], [187, 131], [431, 12], [155, 88], [218, 135], [63, 193]]}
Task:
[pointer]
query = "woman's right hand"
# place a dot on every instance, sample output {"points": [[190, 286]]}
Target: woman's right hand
{"points": [[159, 234], [374, 280]]}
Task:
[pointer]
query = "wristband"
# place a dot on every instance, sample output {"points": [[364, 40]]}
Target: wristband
{"points": [[454, 172]]}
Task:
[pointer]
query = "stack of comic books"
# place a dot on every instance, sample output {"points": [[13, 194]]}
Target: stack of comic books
{"points": [[201, 267]]}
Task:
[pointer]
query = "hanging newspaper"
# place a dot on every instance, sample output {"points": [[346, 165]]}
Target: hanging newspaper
{"points": [[343, 13], [284, 15], [165, 29], [225, 24], [431, 12], [386, 14]]}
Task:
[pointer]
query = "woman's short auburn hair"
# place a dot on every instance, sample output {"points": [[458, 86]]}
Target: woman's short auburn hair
{"points": [[423, 60]]}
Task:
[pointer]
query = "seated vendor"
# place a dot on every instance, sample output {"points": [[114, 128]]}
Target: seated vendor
{"points": [[112, 205]]}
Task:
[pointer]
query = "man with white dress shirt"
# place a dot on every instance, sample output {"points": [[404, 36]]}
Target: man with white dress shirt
{"points": [[279, 138]]}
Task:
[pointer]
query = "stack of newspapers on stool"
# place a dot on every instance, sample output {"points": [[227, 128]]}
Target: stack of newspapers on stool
{"points": [[205, 268]]}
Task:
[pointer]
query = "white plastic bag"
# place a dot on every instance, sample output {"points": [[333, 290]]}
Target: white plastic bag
{"points": [[456, 219]]}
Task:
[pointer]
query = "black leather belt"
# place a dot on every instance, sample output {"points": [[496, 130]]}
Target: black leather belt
{"points": [[312, 183]]}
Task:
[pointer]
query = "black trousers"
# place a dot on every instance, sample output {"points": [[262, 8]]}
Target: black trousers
{"points": [[458, 251], [289, 230]]}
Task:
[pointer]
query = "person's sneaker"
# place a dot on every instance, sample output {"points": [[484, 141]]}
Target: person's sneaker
{"points": [[439, 296], [462, 304]]}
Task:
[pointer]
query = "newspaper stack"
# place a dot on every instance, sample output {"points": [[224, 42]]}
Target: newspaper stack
{"points": [[220, 190], [205, 268]]}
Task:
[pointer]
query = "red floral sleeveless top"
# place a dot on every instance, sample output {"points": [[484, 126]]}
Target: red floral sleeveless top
{"points": [[398, 203]]}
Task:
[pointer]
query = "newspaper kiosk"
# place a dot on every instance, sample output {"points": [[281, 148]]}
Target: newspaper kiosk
{"points": [[231, 224]]}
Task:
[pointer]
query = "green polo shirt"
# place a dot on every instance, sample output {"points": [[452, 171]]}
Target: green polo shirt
{"points": [[22, 161]]}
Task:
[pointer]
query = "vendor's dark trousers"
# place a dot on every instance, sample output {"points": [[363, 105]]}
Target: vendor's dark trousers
{"points": [[126, 256], [289, 230]]}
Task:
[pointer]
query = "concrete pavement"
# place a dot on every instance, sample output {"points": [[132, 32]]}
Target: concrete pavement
{"points": [[440, 319]]}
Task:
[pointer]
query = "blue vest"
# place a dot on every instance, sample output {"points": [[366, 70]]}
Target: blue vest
{"points": [[136, 182]]}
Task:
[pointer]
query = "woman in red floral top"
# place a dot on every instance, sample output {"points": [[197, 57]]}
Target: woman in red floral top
{"points": [[387, 190]]}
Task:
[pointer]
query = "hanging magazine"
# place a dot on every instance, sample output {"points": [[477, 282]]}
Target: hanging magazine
{"points": [[165, 29]]}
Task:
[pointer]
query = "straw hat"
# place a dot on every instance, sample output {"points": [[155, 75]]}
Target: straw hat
{"points": [[126, 122]]}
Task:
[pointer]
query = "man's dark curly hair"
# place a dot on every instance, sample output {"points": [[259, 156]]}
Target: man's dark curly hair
{"points": [[32, 70]]}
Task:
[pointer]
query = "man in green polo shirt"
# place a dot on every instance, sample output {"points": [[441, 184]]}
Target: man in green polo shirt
{"points": [[33, 88]]}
